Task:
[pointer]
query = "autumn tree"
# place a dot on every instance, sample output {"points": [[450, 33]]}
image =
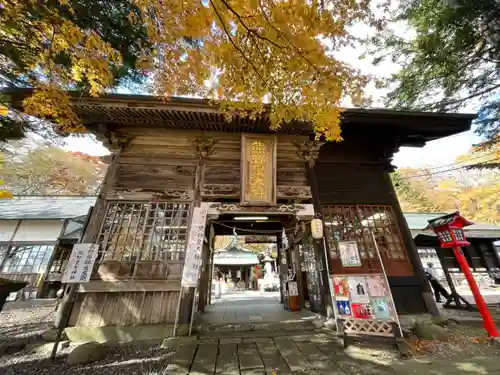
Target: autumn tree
{"points": [[65, 44], [449, 58], [458, 186], [247, 51], [53, 171]]}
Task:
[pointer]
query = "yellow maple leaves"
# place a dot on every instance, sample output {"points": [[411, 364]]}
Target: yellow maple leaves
{"points": [[243, 53], [4, 194], [254, 51], [50, 36]]}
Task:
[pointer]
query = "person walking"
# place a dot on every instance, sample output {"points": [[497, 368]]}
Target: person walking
{"points": [[439, 290]]}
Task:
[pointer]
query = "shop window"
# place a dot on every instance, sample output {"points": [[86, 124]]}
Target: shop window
{"points": [[27, 259], [357, 223], [144, 231]]}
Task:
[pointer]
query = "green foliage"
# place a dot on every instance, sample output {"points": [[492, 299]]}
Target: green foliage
{"points": [[451, 60]]}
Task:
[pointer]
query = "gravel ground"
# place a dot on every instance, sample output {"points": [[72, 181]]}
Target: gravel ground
{"points": [[124, 360], [26, 324], [465, 342]]}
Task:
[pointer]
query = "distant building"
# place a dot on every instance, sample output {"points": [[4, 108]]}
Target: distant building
{"points": [[37, 234], [483, 254]]}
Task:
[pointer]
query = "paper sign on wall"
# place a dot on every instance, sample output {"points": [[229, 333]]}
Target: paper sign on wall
{"points": [[359, 290], [293, 289], [349, 254], [80, 263]]}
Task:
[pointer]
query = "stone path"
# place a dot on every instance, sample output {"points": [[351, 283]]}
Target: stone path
{"points": [[250, 307], [315, 354]]}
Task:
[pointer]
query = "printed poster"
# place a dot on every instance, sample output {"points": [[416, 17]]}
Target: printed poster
{"points": [[293, 289], [349, 254], [341, 287], [359, 290], [376, 286], [381, 309], [344, 308], [362, 311]]}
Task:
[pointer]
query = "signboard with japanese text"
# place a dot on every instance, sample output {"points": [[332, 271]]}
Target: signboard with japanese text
{"points": [[349, 254], [192, 262], [368, 294], [365, 297], [258, 170], [80, 263]]}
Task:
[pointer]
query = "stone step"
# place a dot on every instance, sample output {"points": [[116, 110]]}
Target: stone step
{"points": [[249, 335], [305, 324], [224, 338]]}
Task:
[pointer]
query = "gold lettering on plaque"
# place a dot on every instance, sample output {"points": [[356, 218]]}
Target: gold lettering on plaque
{"points": [[257, 170]]}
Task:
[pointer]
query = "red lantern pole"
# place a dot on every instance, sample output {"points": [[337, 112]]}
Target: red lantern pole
{"points": [[489, 324]]}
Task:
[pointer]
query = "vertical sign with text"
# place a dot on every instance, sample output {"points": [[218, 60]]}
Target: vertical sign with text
{"points": [[258, 170], [192, 261], [80, 263]]}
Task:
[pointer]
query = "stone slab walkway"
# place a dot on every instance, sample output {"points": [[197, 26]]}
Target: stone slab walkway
{"points": [[315, 354], [250, 307]]}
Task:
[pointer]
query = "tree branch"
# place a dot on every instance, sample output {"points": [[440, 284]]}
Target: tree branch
{"points": [[237, 15], [234, 44], [443, 104], [287, 39]]}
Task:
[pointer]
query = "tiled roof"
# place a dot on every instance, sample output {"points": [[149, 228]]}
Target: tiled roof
{"points": [[44, 207], [418, 221]]}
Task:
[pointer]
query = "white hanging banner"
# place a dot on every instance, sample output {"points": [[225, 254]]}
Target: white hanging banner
{"points": [[80, 263], [192, 261]]}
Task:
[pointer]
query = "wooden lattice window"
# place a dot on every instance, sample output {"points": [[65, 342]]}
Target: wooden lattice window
{"points": [[356, 223], [139, 231]]}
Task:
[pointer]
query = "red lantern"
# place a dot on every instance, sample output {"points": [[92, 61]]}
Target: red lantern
{"points": [[449, 229], [450, 232]]}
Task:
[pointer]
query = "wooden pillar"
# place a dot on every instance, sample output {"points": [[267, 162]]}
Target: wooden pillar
{"points": [[211, 273], [204, 147], [309, 151], [449, 279], [283, 267], [483, 255], [297, 239], [91, 232], [204, 277], [412, 249]]}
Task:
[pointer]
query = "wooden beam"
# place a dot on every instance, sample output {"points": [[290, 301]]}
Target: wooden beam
{"points": [[96, 286], [203, 148]]}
